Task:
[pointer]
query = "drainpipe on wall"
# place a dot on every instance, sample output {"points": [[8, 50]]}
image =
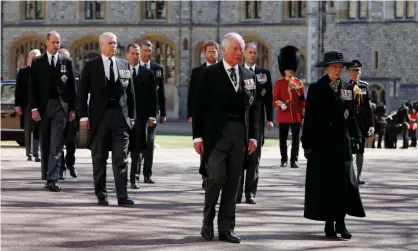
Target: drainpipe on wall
{"points": [[190, 36], [218, 22]]}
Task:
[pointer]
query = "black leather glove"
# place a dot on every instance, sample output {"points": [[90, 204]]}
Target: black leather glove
{"points": [[307, 153], [355, 146]]}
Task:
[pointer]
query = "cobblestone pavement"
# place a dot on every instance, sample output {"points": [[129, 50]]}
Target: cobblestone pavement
{"points": [[168, 214]]}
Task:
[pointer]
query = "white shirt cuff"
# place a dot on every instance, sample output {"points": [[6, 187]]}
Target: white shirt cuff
{"points": [[152, 118], [34, 109], [197, 140], [84, 119], [254, 141]]}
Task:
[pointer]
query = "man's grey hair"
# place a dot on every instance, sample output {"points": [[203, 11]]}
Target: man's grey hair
{"points": [[232, 36], [254, 44], [64, 51], [106, 35], [34, 52]]}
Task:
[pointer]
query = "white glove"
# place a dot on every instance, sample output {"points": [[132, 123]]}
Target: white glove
{"points": [[371, 131], [283, 106]]}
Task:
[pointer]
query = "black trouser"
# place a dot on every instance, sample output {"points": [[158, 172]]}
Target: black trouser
{"points": [[31, 144], [149, 152], [251, 174], [413, 136], [137, 153], [283, 133], [223, 169], [112, 133], [71, 134], [52, 127]]}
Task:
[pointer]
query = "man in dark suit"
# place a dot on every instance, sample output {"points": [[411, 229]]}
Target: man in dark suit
{"points": [[224, 132], [146, 110], [52, 98], [110, 116], [210, 49], [70, 135], [23, 110], [265, 108], [145, 61]]}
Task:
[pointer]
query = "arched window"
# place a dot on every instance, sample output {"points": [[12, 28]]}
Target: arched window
{"points": [[22, 52], [202, 58], [165, 55], [85, 51], [263, 54], [185, 44]]}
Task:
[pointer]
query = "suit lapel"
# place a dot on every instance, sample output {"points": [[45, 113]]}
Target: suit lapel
{"points": [[101, 69]]}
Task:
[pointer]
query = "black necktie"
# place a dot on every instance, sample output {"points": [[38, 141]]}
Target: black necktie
{"points": [[52, 61], [111, 73], [251, 69], [134, 72], [146, 66], [233, 76]]}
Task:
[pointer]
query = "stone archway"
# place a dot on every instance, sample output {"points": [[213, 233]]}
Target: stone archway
{"points": [[19, 50], [84, 49]]}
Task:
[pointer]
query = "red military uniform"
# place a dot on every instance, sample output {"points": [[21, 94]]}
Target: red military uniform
{"points": [[293, 95], [412, 120]]}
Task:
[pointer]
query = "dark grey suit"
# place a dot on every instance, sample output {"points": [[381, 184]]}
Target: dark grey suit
{"points": [[112, 106], [52, 92]]}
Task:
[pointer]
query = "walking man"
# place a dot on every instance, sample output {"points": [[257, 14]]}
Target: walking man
{"points": [[265, 107], [52, 101], [224, 133], [111, 116], [22, 108]]}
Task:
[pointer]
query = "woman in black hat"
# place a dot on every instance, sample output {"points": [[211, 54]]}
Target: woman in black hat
{"points": [[329, 132]]}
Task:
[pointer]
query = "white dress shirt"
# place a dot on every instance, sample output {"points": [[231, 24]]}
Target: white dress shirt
{"points": [[227, 67], [49, 62], [147, 63], [248, 67], [106, 64]]}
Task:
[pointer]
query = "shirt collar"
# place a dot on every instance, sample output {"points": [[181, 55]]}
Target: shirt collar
{"points": [[136, 67], [147, 63], [227, 66], [248, 67], [50, 55], [207, 63], [106, 59]]}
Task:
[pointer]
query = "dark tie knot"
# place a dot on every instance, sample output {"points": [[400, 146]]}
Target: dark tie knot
{"points": [[111, 61], [232, 70], [251, 69]]}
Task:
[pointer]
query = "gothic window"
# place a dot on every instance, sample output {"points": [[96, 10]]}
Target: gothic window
{"points": [[297, 9], [85, 52], [155, 10], [94, 10], [358, 9], [34, 10], [301, 73], [202, 57], [22, 52], [410, 9], [252, 9], [165, 55]]}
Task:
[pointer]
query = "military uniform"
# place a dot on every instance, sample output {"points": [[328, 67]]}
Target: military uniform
{"points": [[357, 95]]}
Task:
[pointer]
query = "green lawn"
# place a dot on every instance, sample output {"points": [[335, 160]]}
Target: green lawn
{"points": [[172, 141]]}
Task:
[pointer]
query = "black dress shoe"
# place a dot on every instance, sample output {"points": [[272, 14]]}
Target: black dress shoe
{"points": [[54, 187], [203, 184], [250, 200], [148, 180], [329, 229], [340, 228], [63, 174], [135, 186], [103, 202], [361, 182], [127, 202], [294, 165], [29, 157], [207, 232], [239, 199], [73, 171], [47, 184], [284, 163], [229, 237], [37, 159]]}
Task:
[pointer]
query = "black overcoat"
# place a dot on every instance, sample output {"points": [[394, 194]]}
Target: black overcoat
{"points": [[331, 189]]}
